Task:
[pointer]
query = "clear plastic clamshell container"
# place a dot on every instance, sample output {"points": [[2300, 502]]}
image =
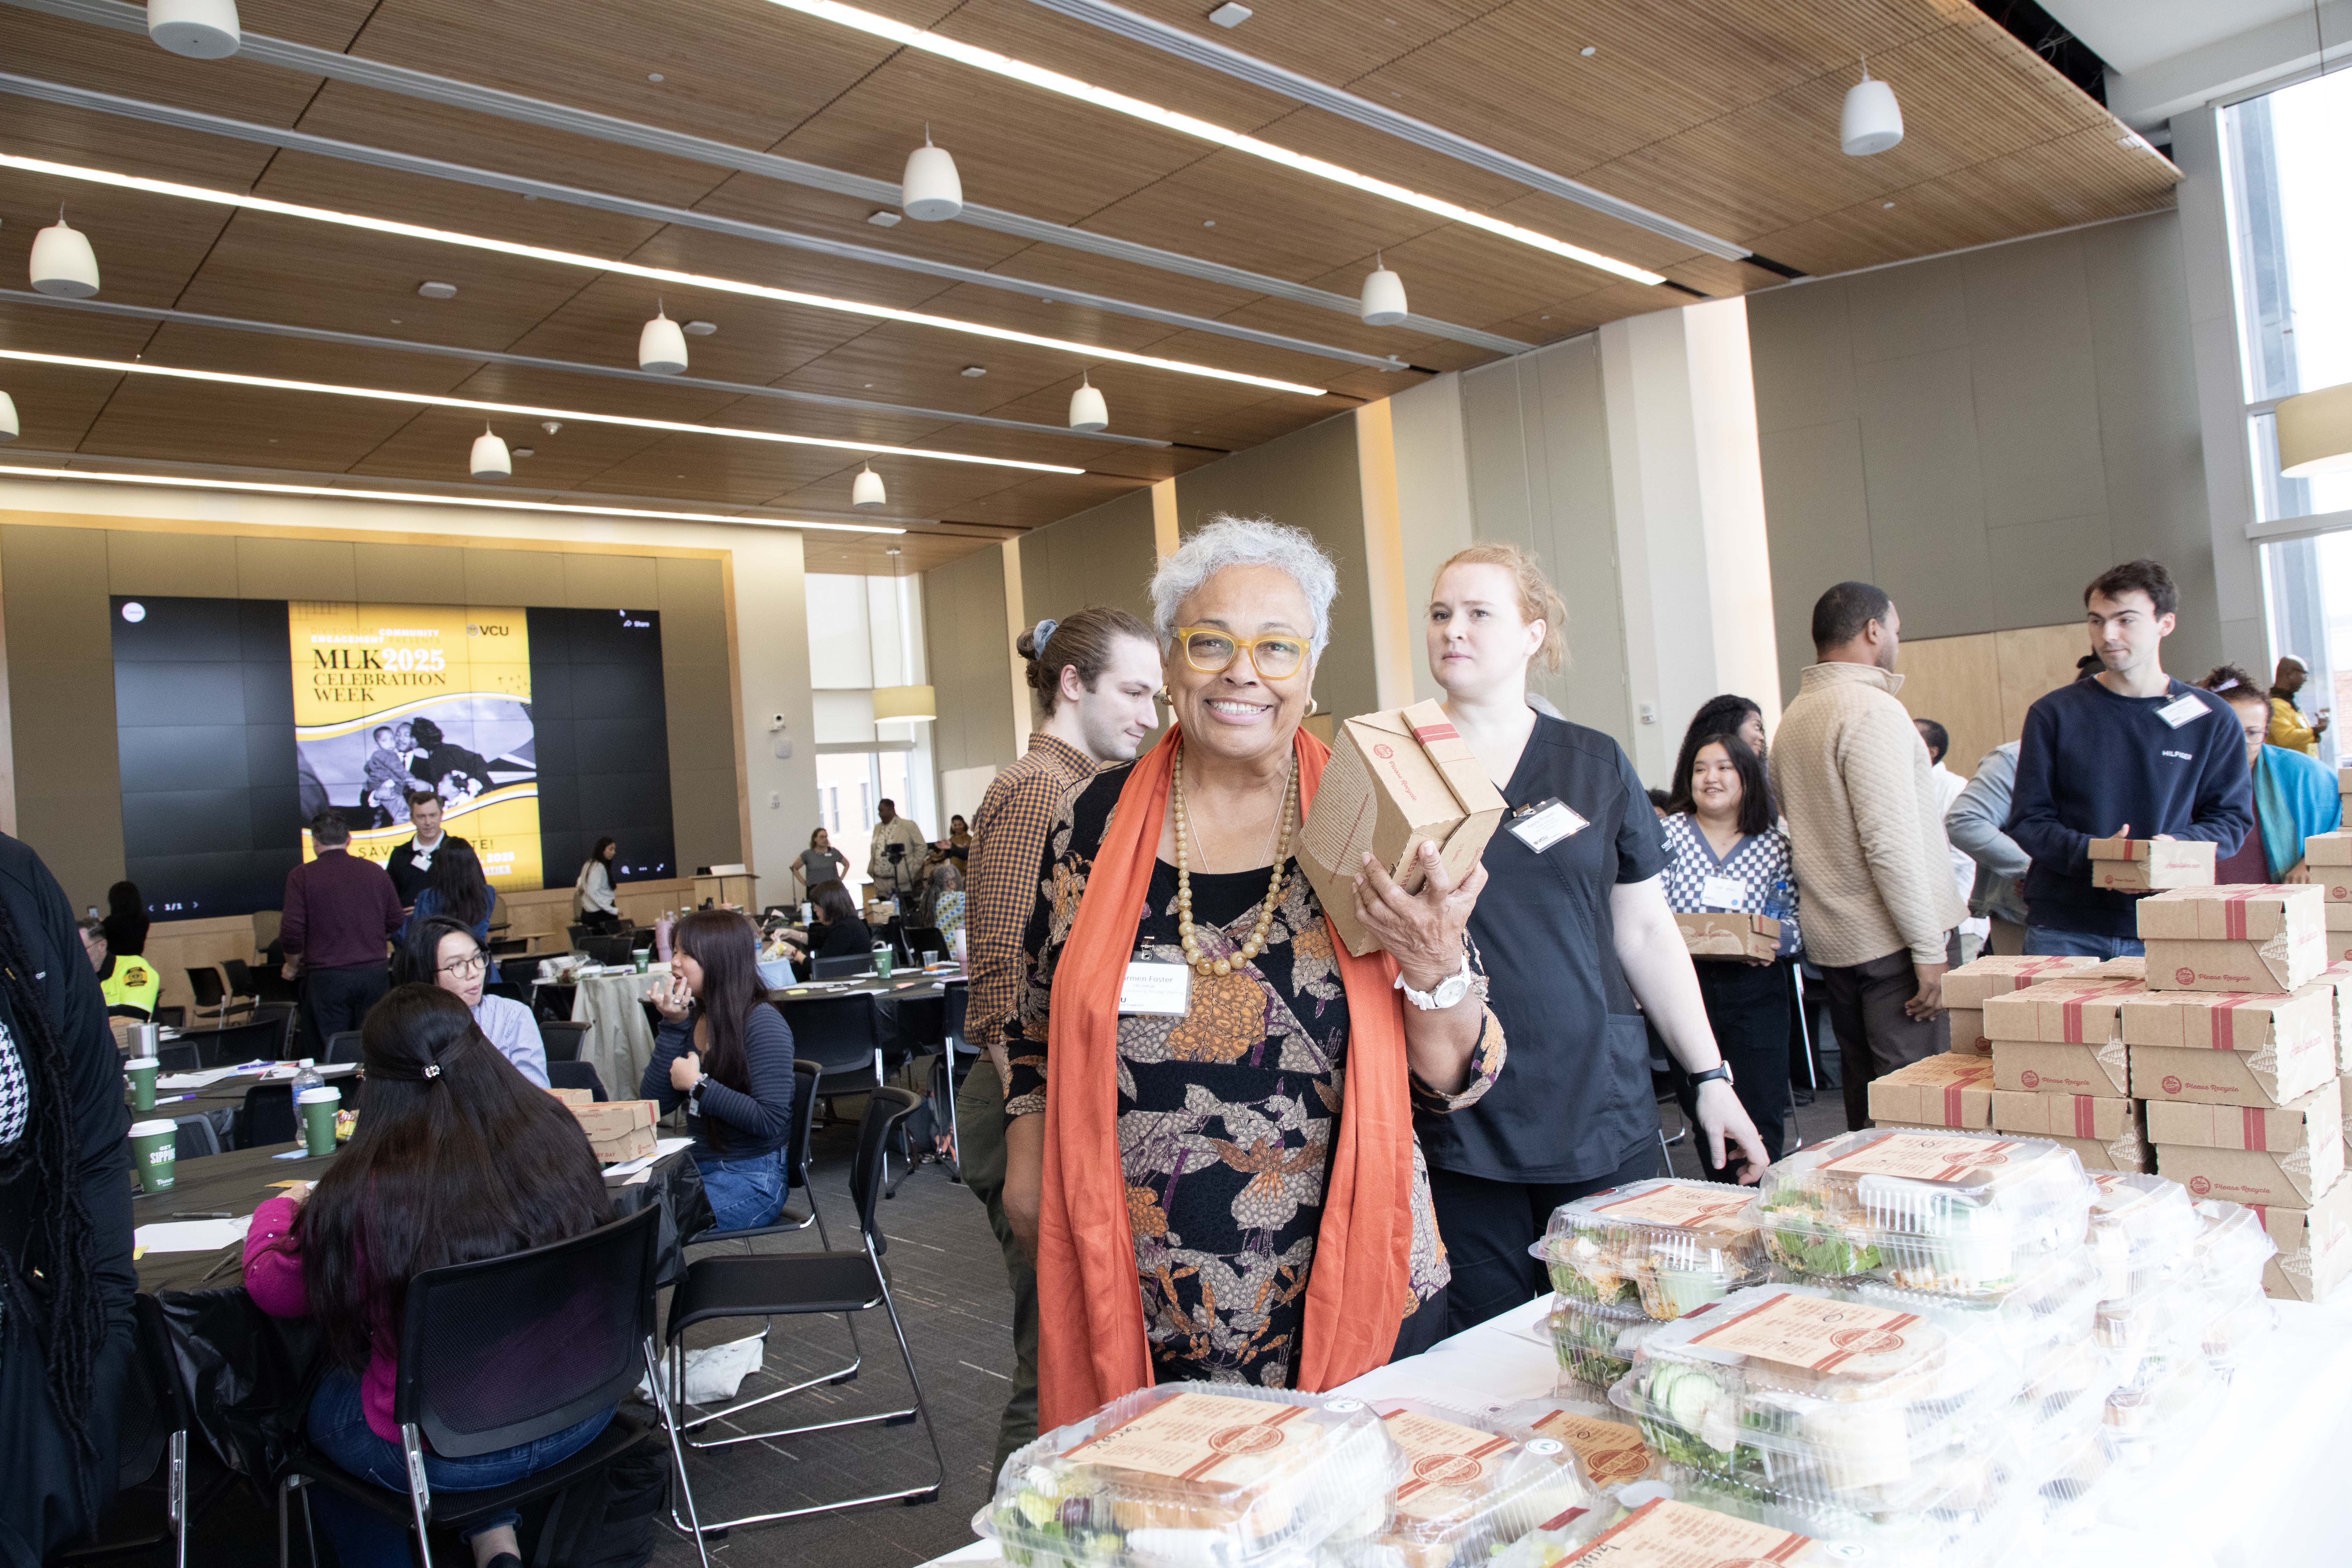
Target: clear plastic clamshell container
{"points": [[1606, 1442], [1190, 1475], [1808, 1395], [1595, 1343], [2056, 1301], [1662, 1247], [2169, 1405], [2231, 1247], [1959, 1213], [1973, 1531], [1470, 1485], [2142, 1231]]}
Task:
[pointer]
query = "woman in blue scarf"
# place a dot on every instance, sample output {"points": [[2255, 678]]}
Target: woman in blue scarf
{"points": [[2295, 795]]}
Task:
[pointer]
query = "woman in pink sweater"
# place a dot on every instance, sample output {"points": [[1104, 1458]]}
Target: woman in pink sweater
{"points": [[456, 1159]]}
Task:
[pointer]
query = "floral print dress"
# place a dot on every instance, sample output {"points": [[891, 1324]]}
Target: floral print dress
{"points": [[1227, 1116]]}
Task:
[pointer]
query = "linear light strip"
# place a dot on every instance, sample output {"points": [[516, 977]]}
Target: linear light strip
{"points": [[435, 400], [258, 487], [634, 270], [1184, 124]]}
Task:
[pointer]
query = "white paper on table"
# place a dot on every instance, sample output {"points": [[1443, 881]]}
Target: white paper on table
{"points": [[191, 1235], [203, 1078], [663, 1149]]}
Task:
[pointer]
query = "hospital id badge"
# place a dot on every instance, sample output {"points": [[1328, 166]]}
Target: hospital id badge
{"points": [[1545, 823], [1161, 989], [2182, 709]]}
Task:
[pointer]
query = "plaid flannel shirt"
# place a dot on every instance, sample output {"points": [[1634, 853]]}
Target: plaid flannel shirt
{"points": [[1008, 850]]}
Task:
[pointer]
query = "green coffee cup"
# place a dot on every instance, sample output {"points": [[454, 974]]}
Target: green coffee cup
{"points": [[153, 1154], [319, 1107], [644, 961], [141, 1073]]}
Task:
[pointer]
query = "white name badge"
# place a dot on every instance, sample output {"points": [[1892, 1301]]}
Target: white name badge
{"points": [[1159, 988], [2181, 710], [1546, 824], [1723, 893]]}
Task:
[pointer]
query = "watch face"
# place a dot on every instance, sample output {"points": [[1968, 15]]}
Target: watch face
{"points": [[1451, 990]]}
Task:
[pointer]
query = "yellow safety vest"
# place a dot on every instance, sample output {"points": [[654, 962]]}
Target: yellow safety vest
{"points": [[131, 982]]}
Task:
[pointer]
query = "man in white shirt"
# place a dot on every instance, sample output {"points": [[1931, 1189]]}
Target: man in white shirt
{"points": [[900, 873], [1948, 786]]}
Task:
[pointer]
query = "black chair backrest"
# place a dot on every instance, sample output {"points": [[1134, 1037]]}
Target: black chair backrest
{"points": [[553, 1001], [841, 968], [172, 1018], [269, 1114], [805, 1073], [194, 1137], [579, 935], [343, 1046], [837, 1032], [928, 939], [887, 1107], [263, 1039], [641, 938], [240, 978], [575, 1075], [561, 1039], [206, 984], [506, 988], [178, 1055], [958, 1002], [509, 1350]]}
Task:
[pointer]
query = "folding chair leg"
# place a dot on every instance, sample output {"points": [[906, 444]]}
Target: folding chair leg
{"points": [[678, 1455], [176, 1497], [922, 1405], [420, 1495], [955, 1125]]}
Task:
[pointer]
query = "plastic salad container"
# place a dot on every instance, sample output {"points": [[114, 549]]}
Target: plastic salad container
{"points": [[1805, 1394], [1660, 1246], [2231, 1246], [2055, 1301], [1960, 1212], [1470, 1485], [1666, 1529], [1190, 1475], [2172, 1400], [2142, 1230], [1595, 1343], [1963, 1537], [1607, 1443]]}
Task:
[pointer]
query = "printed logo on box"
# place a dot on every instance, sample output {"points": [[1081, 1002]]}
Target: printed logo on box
{"points": [[1867, 1342], [2029, 1078], [1382, 750], [2185, 975], [1255, 1438], [1446, 1470], [2200, 1186], [2171, 1084]]}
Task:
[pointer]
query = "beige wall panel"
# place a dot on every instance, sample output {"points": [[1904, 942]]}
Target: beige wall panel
{"points": [[55, 580], [410, 574], [1897, 313], [2042, 568], [1802, 354], [295, 569], [701, 711], [2037, 394], [609, 582], [693, 610], [1955, 681], [1103, 555], [64, 724], [1819, 530], [186, 565], [1920, 471], [970, 660], [702, 810], [2036, 660], [512, 578]]}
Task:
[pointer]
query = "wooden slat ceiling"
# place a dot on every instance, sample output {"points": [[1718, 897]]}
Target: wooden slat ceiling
{"points": [[1717, 113]]}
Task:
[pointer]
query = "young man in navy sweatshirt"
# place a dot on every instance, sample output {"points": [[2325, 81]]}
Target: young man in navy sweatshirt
{"points": [[2130, 751]]}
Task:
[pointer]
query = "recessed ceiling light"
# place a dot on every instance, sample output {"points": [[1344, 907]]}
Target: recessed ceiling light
{"points": [[526, 451], [395, 320], [430, 400], [886, 218], [700, 329], [1208, 222], [634, 269], [1883, 205], [486, 503], [1588, 51], [890, 550], [990, 60], [653, 76], [975, 370], [1230, 14], [437, 290]]}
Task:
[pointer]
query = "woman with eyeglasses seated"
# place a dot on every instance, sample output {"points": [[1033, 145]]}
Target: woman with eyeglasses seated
{"points": [[456, 1159], [727, 1056], [841, 930], [438, 951]]}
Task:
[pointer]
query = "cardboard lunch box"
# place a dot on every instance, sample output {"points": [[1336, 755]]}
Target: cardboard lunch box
{"points": [[2338, 979], [1935, 1091], [2254, 938], [2136, 865], [2129, 1153], [2067, 1011], [1967, 988], [1396, 780], [1716, 934], [2265, 1078], [2049, 1067], [617, 1130], [2249, 1154], [2101, 1117], [2220, 1048], [2314, 1246]]}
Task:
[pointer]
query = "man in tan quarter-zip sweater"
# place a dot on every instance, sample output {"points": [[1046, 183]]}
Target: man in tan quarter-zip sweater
{"points": [[1852, 778]]}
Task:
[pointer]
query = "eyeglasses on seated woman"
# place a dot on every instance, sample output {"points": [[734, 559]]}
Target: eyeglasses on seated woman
{"points": [[441, 951]]}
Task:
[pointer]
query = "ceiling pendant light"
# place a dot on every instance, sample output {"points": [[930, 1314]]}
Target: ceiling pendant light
{"points": [[1872, 120], [931, 192], [1383, 305], [661, 346], [867, 492], [1087, 409], [63, 262], [2314, 432], [8, 425], [200, 29], [491, 458]]}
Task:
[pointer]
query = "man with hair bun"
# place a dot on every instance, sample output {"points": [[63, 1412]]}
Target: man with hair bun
{"points": [[1094, 675]]}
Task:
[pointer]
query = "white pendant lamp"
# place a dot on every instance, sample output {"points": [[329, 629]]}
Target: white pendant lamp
{"points": [[2314, 432], [661, 346], [867, 492], [63, 262], [200, 29], [1383, 305], [931, 192], [1872, 120], [491, 458], [8, 427], [1087, 409]]}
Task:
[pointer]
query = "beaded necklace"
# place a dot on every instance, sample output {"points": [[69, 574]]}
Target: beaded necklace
{"points": [[1258, 936]]}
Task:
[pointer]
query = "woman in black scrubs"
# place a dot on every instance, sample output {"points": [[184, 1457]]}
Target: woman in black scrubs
{"points": [[1574, 931]]}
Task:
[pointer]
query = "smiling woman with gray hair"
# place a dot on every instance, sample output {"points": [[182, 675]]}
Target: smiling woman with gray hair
{"points": [[1212, 1151]]}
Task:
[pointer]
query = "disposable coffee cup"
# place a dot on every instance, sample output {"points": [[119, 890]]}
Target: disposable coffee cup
{"points": [[644, 961], [319, 1107], [808, 914], [882, 961], [154, 1154], [140, 1070]]}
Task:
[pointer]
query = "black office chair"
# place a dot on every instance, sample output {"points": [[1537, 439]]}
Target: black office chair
{"points": [[262, 1039], [841, 1036], [267, 1116], [509, 1350], [786, 1284], [171, 1017], [561, 1039], [579, 937], [506, 988], [343, 1046], [641, 938], [552, 1002], [211, 996], [954, 1063], [847, 966], [921, 940], [177, 1055], [242, 985], [576, 1075], [194, 1137], [153, 1433]]}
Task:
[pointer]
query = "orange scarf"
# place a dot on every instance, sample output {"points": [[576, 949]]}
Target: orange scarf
{"points": [[1090, 1334]]}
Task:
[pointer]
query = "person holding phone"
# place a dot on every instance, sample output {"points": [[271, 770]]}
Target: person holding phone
{"points": [[727, 1056]]}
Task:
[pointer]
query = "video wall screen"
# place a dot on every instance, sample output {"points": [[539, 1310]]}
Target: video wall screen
{"points": [[239, 720]]}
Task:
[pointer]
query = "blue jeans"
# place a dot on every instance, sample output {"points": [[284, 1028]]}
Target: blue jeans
{"points": [[2052, 941], [364, 1538], [744, 1192]]}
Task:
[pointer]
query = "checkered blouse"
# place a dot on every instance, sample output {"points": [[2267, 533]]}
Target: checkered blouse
{"points": [[1757, 862]]}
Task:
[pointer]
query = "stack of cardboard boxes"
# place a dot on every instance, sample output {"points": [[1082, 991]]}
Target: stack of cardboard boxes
{"points": [[2059, 1067]]}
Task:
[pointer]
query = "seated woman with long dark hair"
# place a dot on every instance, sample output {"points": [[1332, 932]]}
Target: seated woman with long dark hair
{"points": [[728, 1057], [841, 930], [438, 951], [457, 1159], [456, 889]]}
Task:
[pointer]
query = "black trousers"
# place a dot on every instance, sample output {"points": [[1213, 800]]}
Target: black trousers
{"points": [[1487, 1227], [339, 999], [1875, 1035], [1748, 1009]]}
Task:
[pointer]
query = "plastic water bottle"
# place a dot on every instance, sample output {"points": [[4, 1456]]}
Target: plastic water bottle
{"points": [[1781, 900], [308, 1075]]}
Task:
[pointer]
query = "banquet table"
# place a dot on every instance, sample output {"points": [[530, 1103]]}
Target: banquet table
{"points": [[2260, 1486], [219, 1102]]}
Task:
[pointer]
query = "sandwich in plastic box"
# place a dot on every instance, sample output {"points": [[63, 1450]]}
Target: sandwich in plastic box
{"points": [[1659, 1247], [1961, 1213], [2143, 1231], [1607, 1443], [2053, 1303], [1470, 1487], [1979, 1537]]}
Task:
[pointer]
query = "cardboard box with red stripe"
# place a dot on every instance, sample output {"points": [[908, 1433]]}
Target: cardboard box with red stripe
{"points": [[1715, 934], [1935, 1091], [2329, 855], [2252, 938], [1967, 988], [2138, 865], [2314, 1246], [2061, 1036], [2248, 1155], [2224, 1048], [2338, 979], [2103, 1130]]}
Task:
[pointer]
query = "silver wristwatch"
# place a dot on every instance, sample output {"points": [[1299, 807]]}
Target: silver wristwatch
{"points": [[1450, 990]]}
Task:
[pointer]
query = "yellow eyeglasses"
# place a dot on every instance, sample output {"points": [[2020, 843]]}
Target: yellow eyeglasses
{"points": [[1212, 652]]}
